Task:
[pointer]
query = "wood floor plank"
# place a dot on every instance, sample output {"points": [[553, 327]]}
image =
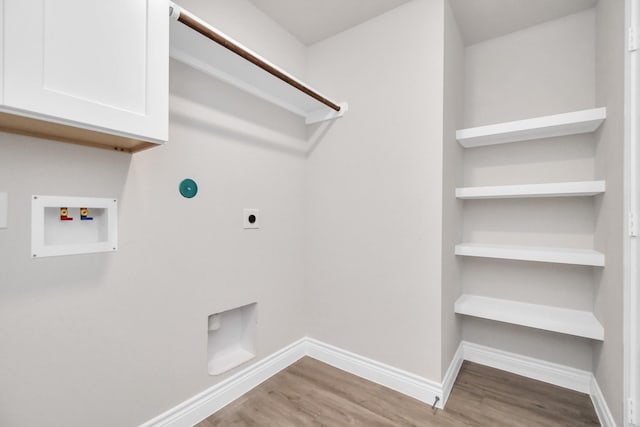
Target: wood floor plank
{"points": [[311, 393]]}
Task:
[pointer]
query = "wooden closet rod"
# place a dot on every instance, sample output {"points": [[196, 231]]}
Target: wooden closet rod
{"points": [[192, 22]]}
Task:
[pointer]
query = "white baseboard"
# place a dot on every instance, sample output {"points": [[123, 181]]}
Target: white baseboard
{"points": [[553, 373], [215, 398], [419, 388], [602, 409], [451, 374]]}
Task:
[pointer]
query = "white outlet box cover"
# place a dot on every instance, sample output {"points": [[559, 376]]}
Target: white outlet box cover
{"points": [[4, 208], [247, 213]]}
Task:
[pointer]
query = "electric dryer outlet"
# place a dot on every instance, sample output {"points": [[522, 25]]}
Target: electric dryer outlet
{"points": [[251, 218]]}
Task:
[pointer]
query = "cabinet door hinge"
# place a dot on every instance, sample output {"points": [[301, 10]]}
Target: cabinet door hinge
{"points": [[630, 414], [633, 224], [632, 39]]}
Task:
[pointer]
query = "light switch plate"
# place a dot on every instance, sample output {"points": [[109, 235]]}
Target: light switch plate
{"points": [[4, 209], [251, 218]]}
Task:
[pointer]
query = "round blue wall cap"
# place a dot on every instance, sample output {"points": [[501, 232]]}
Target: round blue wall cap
{"points": [[188, 188]]}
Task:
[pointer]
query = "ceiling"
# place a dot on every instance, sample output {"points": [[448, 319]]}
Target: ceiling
{"points": [[313, 20], [481, 20]]}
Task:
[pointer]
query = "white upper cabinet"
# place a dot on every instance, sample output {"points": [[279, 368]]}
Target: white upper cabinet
{"points": [[93, 64]]}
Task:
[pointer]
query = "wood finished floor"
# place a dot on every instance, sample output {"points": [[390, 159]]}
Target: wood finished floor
{"points": [[311, 393]]}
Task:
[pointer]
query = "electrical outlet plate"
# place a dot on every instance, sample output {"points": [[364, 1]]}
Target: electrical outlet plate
{"points": [[251, 218]]}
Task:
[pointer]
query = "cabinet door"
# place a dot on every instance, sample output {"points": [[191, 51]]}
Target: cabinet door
{"points": [[97, 64]]}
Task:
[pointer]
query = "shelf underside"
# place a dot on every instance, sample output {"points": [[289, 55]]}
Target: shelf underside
{"points": [[532, 253], [561, 189], [555, 319], [44, 128], [573, 123]]}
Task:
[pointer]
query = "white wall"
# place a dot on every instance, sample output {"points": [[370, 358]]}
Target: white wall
{"points": [[452, 208], [546, 69], [115, 339], [375, 190], [608, 356], [356, 241]]}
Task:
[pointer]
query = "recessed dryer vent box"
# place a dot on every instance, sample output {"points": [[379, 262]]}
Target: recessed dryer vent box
{"points": [[232, 338], [73, 225]]}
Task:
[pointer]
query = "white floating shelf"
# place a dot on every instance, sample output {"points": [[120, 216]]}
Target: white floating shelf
{"points": [[532, 253], [573, 123], [566, 321], [560, 189], [207, 56]]}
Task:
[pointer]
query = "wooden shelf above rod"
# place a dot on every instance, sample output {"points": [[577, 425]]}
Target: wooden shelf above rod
{"points": [[230, 61]]}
